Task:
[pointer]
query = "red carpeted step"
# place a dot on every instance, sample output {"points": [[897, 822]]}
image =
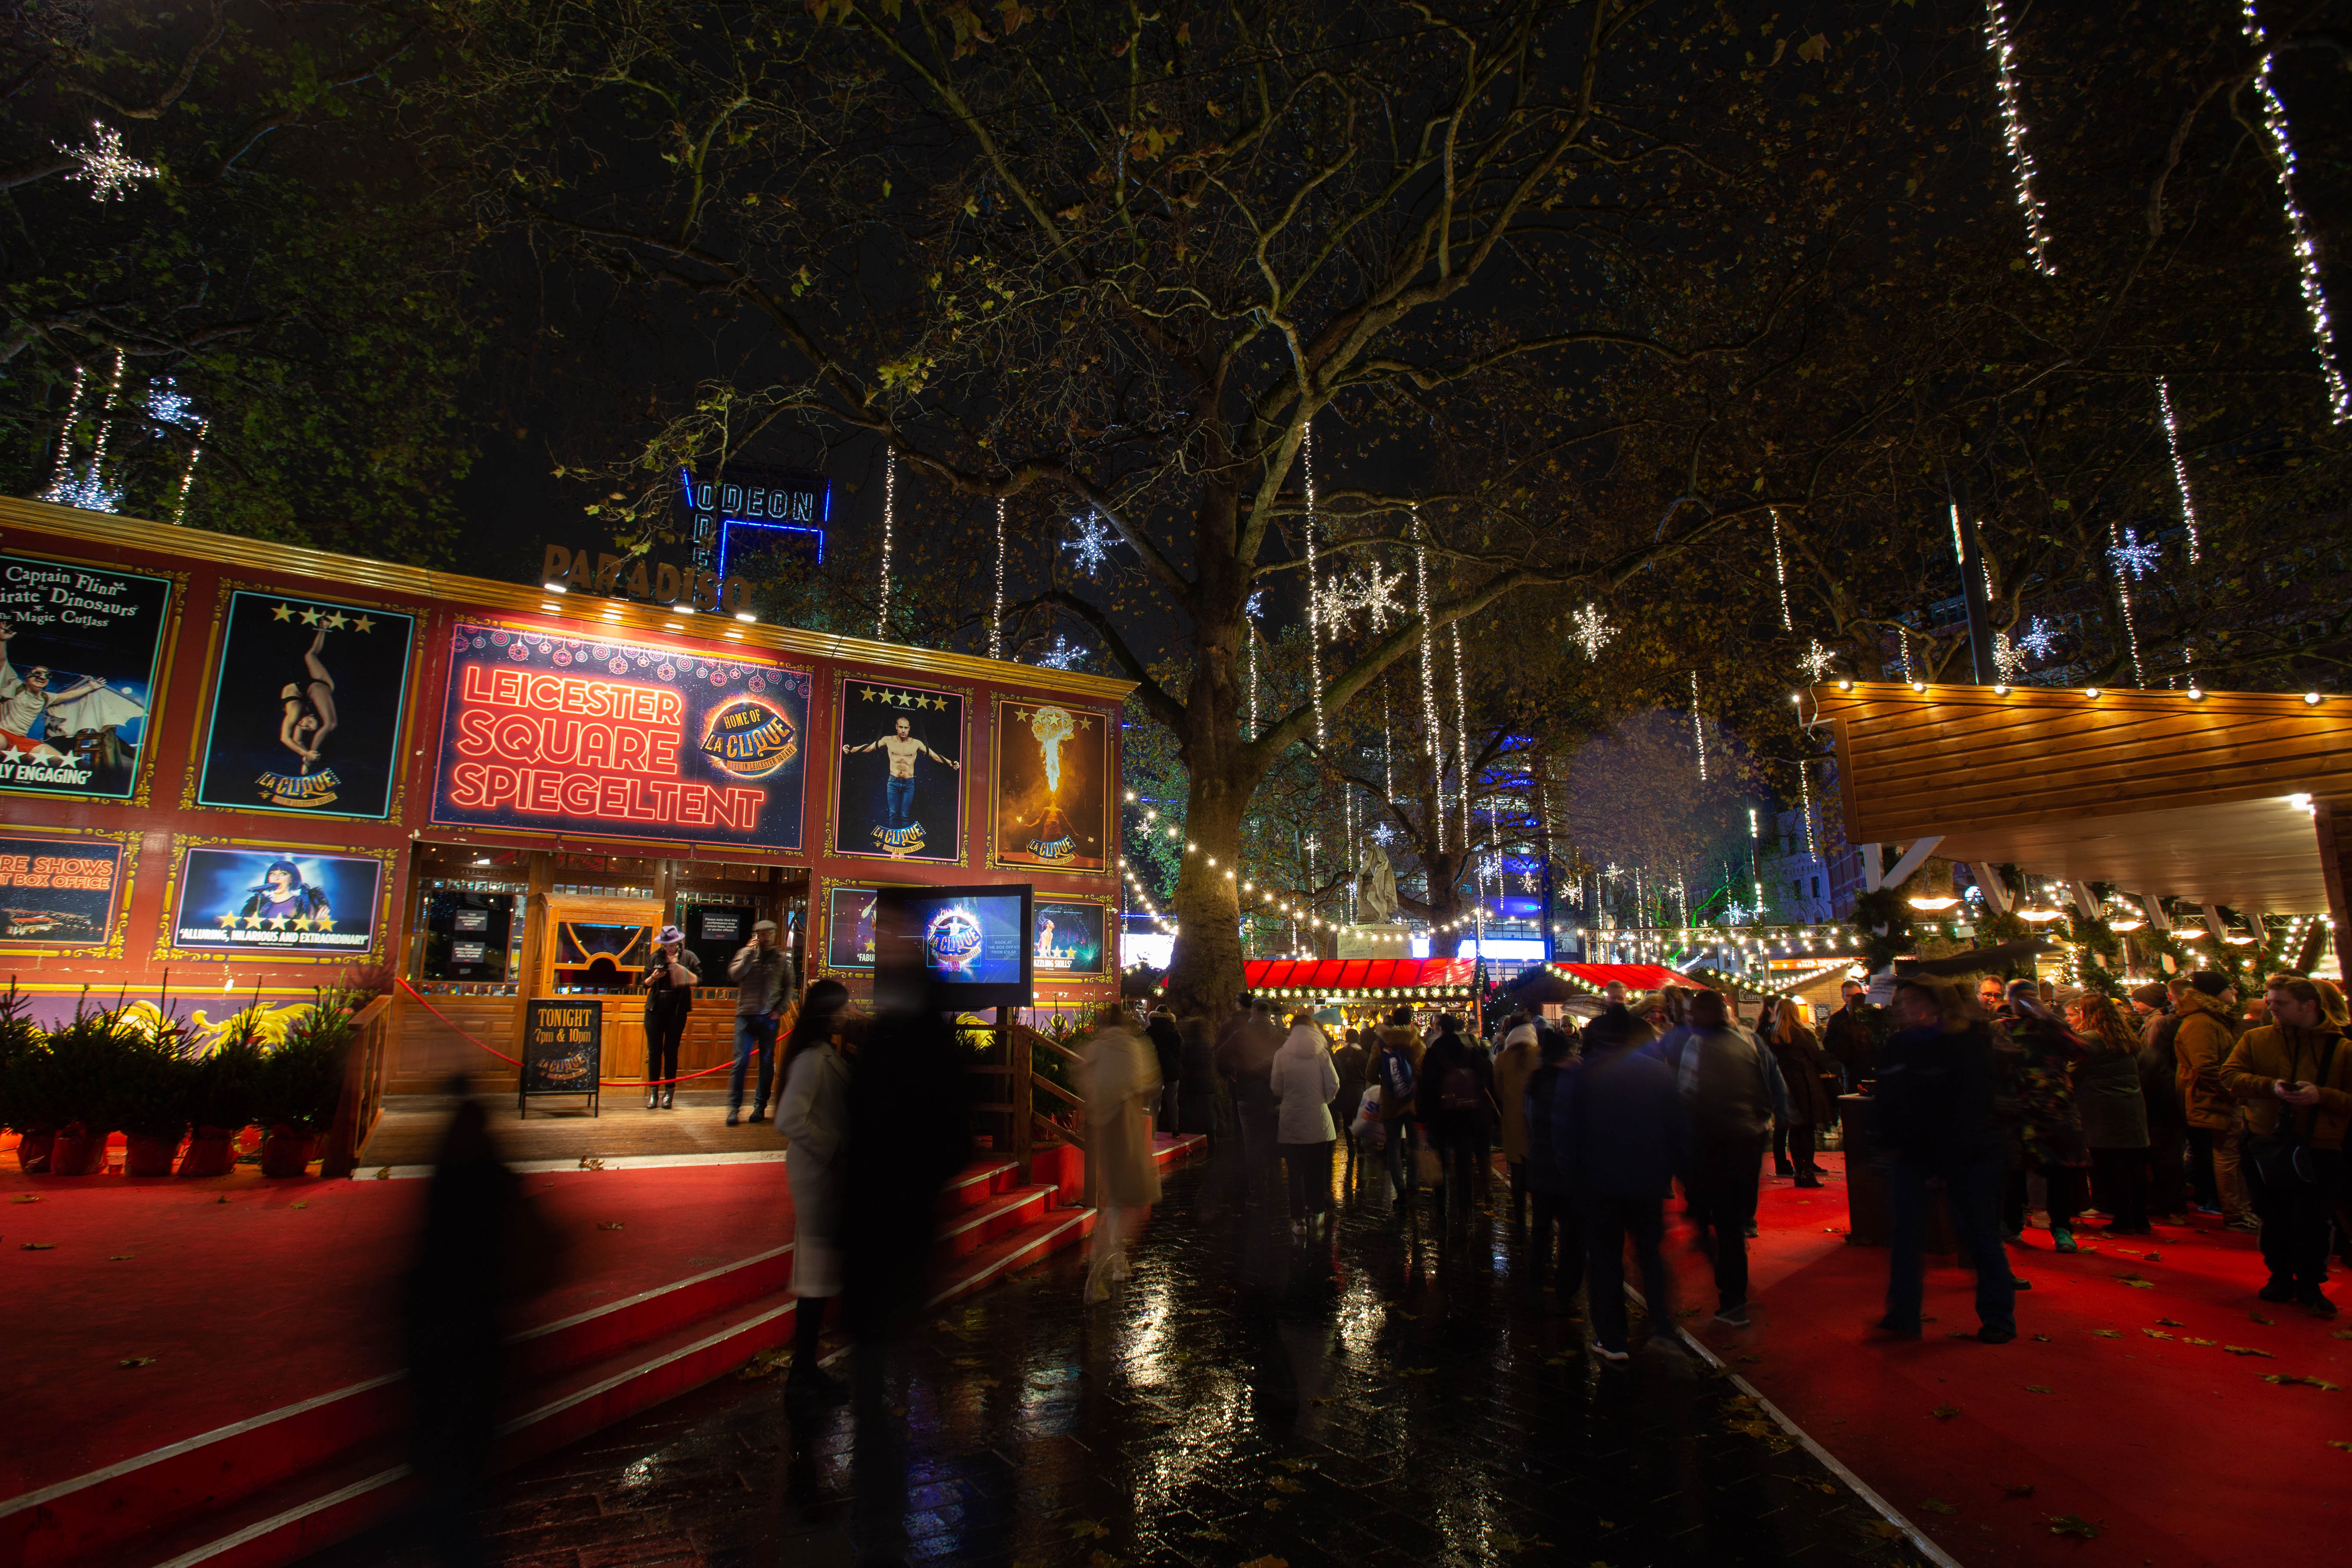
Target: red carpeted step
{"points": [[976, 1184], [89, 1513], [966, 1232]]}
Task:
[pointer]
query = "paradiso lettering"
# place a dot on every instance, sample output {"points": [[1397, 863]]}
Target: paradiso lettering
{"points": [[704, 747]]}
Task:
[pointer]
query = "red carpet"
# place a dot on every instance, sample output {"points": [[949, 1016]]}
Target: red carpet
{"points": [[286, 1289], [2177, 1453]]}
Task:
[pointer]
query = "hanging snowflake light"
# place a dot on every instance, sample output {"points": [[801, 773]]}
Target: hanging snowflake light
{"points": [[2132, 558], [2040, 638], [1063, 654], [1384, 835], [1090, 542], [167, 404], [1817, 659], [105, 167], [1735, 913], [1592, 631]]}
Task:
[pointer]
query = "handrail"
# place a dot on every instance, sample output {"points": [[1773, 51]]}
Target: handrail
{"points": [[360, 1102], [1057, 1091]]}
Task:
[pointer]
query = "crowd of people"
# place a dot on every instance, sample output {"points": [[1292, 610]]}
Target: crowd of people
{"points": [[2023, 1104]]}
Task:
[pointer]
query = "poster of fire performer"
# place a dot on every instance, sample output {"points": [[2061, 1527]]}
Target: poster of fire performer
{"points": [[1052, 787], [308, 698], [81, 648], [899, 788]]}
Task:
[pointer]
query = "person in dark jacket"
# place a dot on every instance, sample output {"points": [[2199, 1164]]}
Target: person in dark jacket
{"points": [[669, 985], [2159, 1091], [1935, 1082], [1455, 1103], [1846, 1038], [1619, 1133], [1802, 1067], [1550, 1196], [1396, 1069], [1197, 1097], [2039, 1055], [1352, 1062], [2114, 1117], [1245, 1058], [1733, 1090], [1168, 1045]]}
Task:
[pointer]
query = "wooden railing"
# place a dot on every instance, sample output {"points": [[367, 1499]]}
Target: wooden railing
{"points": [[362, 1101]]}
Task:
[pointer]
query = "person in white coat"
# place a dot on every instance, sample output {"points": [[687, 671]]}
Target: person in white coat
{"points": [[1120, 1076], [1303, 1082], [813, 1112]]}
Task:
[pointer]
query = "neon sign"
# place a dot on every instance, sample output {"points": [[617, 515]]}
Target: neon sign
{"points": [[613, 740]]}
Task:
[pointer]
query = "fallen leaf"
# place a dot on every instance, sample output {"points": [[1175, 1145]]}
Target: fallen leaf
{"points": [[2037, 1388], [25, 1198], [2341, 1334], [1089, 1530], [2286, 1378], [1285, 1484], [1944, 1412], [2260, 1318], [383, 1172], [137, 1360], [2108, 1333], [1937, 1505], [2153, 1256], [1221, 1535], [2170, 1324], [2249, 1349], [305, 1204], [1296, 1466], [1885, 1530], [1273, 1505], [2339, 1443], [2074, 1524], [2135, 1282], [2043, 1338], [38, 1246], [222, 1199], [608, 1225], [2017, 1488], [2156, 1333]]}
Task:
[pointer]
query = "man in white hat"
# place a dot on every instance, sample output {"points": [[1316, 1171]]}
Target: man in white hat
{"points": [[670, 981], [763, 980]]}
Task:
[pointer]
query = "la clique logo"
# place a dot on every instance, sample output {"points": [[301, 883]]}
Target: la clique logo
{"points": [[745, 738], [953, 940]]}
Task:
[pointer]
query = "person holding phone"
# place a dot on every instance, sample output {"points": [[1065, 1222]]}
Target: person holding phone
{"points": [[763, 979], [669, 985], [2293, 1076]]}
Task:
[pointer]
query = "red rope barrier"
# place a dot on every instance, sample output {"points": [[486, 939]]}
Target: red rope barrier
{"points": [[602, 1082]]}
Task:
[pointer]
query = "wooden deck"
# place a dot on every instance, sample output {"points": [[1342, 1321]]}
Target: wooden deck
{"points": [[409, 1132]]}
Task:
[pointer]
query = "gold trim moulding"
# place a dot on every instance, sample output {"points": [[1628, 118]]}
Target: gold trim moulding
{"points": [[461, 594]]}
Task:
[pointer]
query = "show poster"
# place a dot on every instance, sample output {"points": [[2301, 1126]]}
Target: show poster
{"points": [[234, 899], [548, 732], [898, 791], [1067, 934], [563, 1047], [1052, 787], [307, 703], [81, 649], [60, 892], [849, 929]]}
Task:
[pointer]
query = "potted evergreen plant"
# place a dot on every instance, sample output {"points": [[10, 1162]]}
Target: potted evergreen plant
{"points": [[87, 1060], [223, 1083], [301, 1078], [156, 1084], [27, 1084]]}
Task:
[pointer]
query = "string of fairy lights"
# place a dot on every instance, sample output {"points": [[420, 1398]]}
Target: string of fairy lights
{"points": [[2306, 250]]}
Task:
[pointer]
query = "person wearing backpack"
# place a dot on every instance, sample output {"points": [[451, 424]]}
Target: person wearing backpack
{"points": [[1733, 1089], [1456, 1105], [1396, 1074], [2295, 1078]]}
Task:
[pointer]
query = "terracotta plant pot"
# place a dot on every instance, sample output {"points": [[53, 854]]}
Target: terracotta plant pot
{"points": [[32, 1152], [287, 1153], [211, 1151], [143, 1155], [78, 1152]]}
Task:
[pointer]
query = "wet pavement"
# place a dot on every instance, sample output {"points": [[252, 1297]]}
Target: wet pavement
{"points": [[1384, 1397]]}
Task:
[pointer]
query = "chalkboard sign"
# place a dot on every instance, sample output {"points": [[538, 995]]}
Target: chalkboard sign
{"points": [[562, 1048]]}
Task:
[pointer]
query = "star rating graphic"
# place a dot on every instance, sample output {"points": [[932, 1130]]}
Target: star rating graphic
{"points": [[900, 698], [327, 617]]}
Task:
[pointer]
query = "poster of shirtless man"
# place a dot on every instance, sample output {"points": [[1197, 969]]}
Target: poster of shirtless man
{"points": [[900, 794]]}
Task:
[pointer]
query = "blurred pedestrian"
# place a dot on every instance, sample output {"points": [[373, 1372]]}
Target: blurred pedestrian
{"points": [[1197, 1099], [1455, 1103], [1515, 1064], [670, 980], [909, 1132], [482, 1250], [762, 974], [1551, 1196], [1121, 1080], [1303, 1082], [1619, 1134], [2114, 1117], [1933, 1102], [812, 1110], [1732, 1088], [1246, 1057], [2160, 1093], [1353, 1064], [1798, 1056], [2207, 1033], [2039, 1054], [1396, 1074], [1168, 1046]]}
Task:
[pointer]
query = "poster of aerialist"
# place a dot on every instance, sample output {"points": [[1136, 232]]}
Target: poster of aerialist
{"points": [[1052, 798], [898, 789], [308, 698], [81, 650]]}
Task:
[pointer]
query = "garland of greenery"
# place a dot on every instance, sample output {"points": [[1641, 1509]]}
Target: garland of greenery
{"points": [[1883, 921]]}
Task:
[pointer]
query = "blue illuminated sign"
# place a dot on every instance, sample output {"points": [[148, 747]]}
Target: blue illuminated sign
{"points": [[765, 506]]}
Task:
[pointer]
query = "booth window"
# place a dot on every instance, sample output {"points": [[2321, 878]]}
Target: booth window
{"points": [[471, 934], [597, 956]]}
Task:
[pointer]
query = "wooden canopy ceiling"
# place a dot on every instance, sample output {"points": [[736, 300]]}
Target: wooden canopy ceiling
{"points": [[2209, 798]]}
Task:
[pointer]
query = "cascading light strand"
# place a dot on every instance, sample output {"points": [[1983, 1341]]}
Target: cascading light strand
{"points": [[889, 521], [1780, 573], [2014, 132], [2180, 465], [1698, 728], [1461, 736], [1314, 592], [2117, 561], [1430, 726], [2306, 250], [73, 417]]}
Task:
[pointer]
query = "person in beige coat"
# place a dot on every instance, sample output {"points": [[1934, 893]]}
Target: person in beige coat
{"points": [[1515, 1064], [1119, 1078]]}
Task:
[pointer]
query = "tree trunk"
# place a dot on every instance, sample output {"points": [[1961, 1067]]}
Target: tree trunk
{"points": [[1205, 974]]}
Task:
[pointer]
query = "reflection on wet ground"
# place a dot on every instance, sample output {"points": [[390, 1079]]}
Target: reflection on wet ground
{"points": [[1380, 1397]]}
